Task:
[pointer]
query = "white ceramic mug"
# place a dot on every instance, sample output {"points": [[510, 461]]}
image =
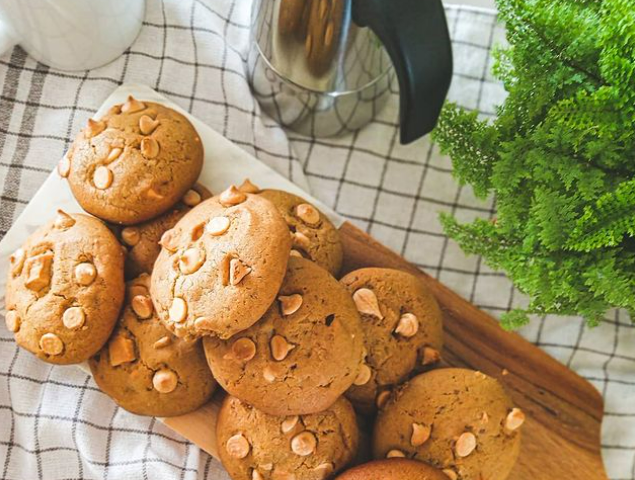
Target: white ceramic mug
{"points": [[70, 34]]}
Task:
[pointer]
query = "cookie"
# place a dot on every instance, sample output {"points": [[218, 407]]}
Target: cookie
{"points": [[142, 240], [147, 370], [134, 163], [393, 469], [255, 446], [457, 420], [65, 288], [402, 327], [221, 266], [314, 236], [304, 352]]}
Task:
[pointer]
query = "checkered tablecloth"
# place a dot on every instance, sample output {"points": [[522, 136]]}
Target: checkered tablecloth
{"points": [[54, 422]]}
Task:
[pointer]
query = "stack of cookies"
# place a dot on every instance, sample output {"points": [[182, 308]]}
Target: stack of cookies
{"points": [[168, 291]]}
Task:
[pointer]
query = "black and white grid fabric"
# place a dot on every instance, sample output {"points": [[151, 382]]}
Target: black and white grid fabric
{"points": [[54, 422]]}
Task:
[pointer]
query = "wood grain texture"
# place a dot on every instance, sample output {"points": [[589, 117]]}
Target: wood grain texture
{"points": [[561, 438]]}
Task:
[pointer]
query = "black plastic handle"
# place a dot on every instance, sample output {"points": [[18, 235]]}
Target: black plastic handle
{"points": [[415, 35]]}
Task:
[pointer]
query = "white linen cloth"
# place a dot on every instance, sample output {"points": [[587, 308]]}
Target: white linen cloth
{"points": [[54, 422]]}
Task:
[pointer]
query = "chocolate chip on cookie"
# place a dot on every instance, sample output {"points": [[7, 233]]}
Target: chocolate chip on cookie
{"points": [[134, 163], [303, 353], [65, 288], [146, 369], [221, 265]]}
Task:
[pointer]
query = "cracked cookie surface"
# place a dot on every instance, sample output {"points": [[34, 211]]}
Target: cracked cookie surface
{"points": [[402, 326], [254, 445], [134, 163], [304, 352], [147, 370], [313, 234], [221, 266], [457, 420], [142, 240], [393, 469], [65, 288]]}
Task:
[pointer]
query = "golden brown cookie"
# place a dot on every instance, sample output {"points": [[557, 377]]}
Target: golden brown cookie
{"points": [[65, 289], [314, 236], [393, 469], [255, 446], [142, 240], [221, 266], [146, 369], [457, 420], [134, 163], [302, 355], [402, 328]]}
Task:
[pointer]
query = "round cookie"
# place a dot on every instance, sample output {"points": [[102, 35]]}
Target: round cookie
{"points": [[393, 469], [457, 420], [255, 446], [314, 236], [402, 327], [304, 352], [65, 288], [142, 240], [134, 163], [221, 266], [147, 370]]}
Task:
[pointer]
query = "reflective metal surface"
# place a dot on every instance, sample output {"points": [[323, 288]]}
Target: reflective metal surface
{"points": [[313, 70]]}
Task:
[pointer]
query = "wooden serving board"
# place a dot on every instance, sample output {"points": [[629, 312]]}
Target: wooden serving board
{"points": [[561, 437]]}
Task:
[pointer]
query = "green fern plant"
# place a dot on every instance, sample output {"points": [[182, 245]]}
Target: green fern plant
{"points": [[559, 158]]}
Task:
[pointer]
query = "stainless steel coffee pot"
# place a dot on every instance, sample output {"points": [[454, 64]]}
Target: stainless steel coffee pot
{"points": [[326, 67]]}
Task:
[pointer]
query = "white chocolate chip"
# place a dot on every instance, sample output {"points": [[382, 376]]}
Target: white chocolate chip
{"points": [[39, 271], [280, 348], [289, 423], [85, 273], [74, 318], [147, 124], [307, 213], [289, 304], [17, 261], [304, 444], [13, 321], [514, 420], [64, 166], [114, 154], [366, 303], [169, 240], [121, 350], [268, 375], [217, 226], [102, 178], [153, 194], [237, 271], [324, 470], [395, 454], [142, 306], [363, 376], [237, 446], [420, 434], [244, 349], [191, 198], [162, 342], [430, 356], [132, 105], [131, 236], [51, 344], [451, 474], [94, 128], [191, 260], [248, 187], [63, 220], [150, 147], [408, 325], [256, 475], [465, 444], [301, 241], [232, 196], [295, 253], [164, 381], [178, 310]]}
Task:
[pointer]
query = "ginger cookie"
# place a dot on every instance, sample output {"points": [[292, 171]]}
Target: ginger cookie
{"points": [[459, 421], [221, 266], [403, 331], [65, 288], [134, 163], [146, 369], [142, 240], [314, 236], [393, 469], [254, 445], [304, 352]]}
